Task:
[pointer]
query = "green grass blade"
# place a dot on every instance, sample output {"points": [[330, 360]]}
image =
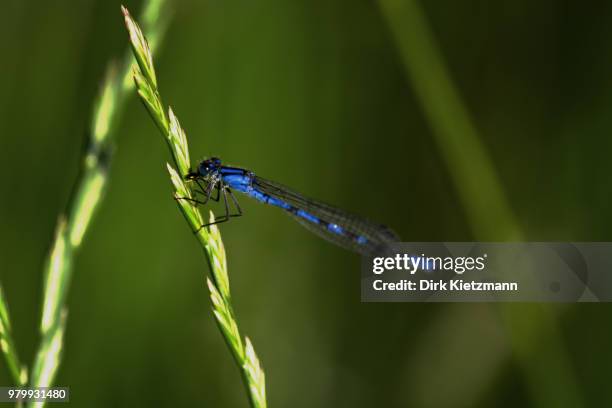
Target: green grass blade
{"points": [[87, 196], [482, 196], [210, 238], [469, 164], [18, 371]]}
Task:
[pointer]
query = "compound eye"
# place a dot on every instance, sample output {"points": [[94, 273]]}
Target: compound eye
{"points": [[203, 168]]}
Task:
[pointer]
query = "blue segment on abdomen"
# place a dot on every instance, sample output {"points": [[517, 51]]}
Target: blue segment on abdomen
{"points": [[258, 195], [335, 228], [307, 216], [267, 199], [361, 240], [278, 203]]}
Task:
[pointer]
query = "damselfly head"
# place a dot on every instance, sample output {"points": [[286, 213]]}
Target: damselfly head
{"points": [[209, 166]]}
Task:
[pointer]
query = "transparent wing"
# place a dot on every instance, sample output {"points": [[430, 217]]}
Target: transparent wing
{"points": [[376, 236]]}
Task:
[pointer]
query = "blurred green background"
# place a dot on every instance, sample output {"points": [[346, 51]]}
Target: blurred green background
{"points": [[320, 96]]}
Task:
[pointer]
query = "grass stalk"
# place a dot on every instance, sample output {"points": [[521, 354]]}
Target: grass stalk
{"points": [[87, 195], [18, 371], [209, 238], [482, 196]]}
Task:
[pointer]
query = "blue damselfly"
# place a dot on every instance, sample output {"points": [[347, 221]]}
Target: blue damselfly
{"points": [[215, 181]]}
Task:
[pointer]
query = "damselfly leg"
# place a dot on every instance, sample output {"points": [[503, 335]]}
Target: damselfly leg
{"points": [[236, 205], [225, 190], [202, 190], [207, 191]]}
